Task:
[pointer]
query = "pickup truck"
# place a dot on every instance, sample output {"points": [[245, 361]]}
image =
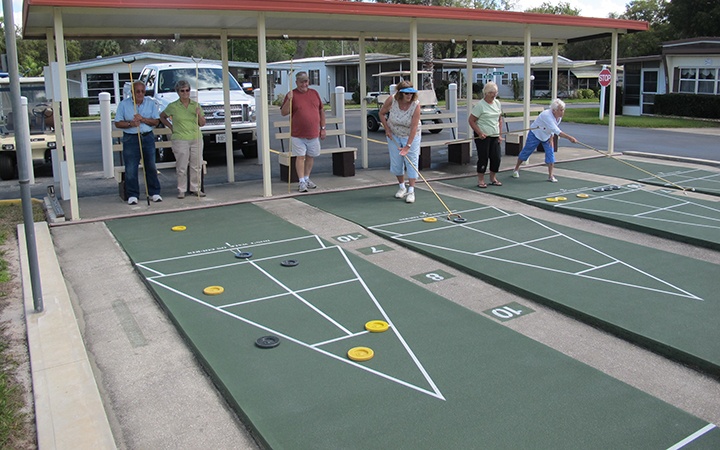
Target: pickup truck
{"points": [[40, 118], [206, 79]]}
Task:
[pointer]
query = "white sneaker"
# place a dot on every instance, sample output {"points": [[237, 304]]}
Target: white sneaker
{"points": [[552, 179], [132, 201], [401, 192], [310, 184], [302, 186], [156, 198], [516, 174], [410, 197]]}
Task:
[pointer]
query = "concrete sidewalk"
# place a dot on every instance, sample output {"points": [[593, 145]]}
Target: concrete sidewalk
{"points": [[137, 384]]}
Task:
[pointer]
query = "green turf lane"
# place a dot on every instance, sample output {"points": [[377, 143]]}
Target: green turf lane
{"points": [[442, 376], [633, 291], [659, 211], [706, 181]]}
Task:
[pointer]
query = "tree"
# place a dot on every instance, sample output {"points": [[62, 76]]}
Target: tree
{"points": [[648, 43], [560, 9], [694, 18]]}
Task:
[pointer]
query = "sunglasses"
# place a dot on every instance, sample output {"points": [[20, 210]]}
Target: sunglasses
{"points": [[184, 90]]}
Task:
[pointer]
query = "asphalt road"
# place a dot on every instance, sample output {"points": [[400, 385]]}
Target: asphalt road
{"points": [[91, 182]]}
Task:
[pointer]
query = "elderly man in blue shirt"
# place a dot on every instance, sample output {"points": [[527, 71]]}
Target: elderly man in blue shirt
{"points": [[137, 116]]}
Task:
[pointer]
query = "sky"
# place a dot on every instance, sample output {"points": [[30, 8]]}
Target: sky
{"points": [[588, 8]]}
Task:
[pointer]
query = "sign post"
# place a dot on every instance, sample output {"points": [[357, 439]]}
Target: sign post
{"points": [[604, 78]]}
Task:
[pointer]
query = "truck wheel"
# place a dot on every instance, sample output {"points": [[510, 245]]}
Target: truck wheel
{"points": [[8, 166], [372, 124], [250, 151]]}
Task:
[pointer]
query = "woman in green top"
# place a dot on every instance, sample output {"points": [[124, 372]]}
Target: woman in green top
{"points": [[486, 122], [184, 117]]}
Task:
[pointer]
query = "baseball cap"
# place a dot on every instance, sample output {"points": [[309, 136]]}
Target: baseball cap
{"points": [[408, 90]]}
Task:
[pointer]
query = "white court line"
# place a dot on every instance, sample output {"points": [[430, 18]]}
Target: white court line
{"points": [[282, 294], [303, 344], [679, 292], [339, 338], [706, 429]]}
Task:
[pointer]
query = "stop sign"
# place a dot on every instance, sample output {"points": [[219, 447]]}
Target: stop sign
{"points": [[604, 78]]}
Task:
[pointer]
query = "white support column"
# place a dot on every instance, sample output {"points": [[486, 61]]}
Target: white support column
{"points": [[364, 160], [469, 82], [613, 92], [106, 134], [526, 81], [65, 106], [555, 70], [452, 106], [340, 111], [413, 53], [52, 61], [228, 114], [263, 129], [260, 107]]}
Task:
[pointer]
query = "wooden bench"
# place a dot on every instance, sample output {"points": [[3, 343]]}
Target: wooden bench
{"points": [[119, 171], [343, 157]]}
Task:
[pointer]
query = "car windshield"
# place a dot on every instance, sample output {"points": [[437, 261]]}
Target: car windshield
{"points": [[35, 94], [206, 79]]}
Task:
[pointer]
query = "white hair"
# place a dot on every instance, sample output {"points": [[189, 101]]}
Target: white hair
{"points": [[490, 86], [557, 104]]}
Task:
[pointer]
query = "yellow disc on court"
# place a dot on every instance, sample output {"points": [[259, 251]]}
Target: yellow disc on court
{"points": [[429, 219], [583, 196], [551, 199], [377, 326], [560, 199], [360, 354], [213, 290], [179, 228]]}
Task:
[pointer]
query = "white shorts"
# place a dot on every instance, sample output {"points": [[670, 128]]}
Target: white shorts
{"points": [[305, 147]]}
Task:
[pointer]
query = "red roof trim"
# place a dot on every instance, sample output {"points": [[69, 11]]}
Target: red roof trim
{"points": [[351, 8]]}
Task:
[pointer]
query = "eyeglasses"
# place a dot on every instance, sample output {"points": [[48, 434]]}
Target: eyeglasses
{"points": [[408, 93], [184, 90]]}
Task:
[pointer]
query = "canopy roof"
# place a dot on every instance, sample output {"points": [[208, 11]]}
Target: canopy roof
{"points": [[306, 19]]}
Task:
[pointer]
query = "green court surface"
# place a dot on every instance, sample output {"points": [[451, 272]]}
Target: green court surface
{"points": [[662, 212], [633, 291], [705, 181], [442, 376]]}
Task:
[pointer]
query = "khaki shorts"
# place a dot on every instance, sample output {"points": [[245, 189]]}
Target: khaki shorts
{"points": [[305, 147]]}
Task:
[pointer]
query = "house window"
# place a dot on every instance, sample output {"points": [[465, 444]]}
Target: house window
{"points": [[631, 95], [695, 80], [506, 78], [314, 76], [97, 83]]}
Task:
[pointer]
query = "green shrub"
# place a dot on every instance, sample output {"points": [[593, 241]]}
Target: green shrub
{"points": [[688, 105]]}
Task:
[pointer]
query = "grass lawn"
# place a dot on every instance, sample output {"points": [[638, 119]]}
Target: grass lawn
{"points": [[16, 427]]}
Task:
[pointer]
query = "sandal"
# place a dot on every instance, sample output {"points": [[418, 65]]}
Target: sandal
{"points": [[495, 183], [482, 185]]}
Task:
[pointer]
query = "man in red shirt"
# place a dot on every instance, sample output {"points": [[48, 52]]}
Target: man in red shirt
{"points": [[307, 127]]}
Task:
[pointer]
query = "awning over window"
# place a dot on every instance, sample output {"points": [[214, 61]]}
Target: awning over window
{"points": [[588, 72]]}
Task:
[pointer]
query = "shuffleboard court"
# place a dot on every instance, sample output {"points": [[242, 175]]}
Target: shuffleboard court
{"points": [[706, 181], [633, 291], [441, 376], [662, 212]]}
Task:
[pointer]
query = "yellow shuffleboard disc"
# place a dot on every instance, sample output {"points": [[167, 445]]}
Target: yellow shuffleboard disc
{"points": [[213, 290], [430, 219], [583, 195], [179, 228], [377, 326], [360, 354], [551, 199], [561, 199]]}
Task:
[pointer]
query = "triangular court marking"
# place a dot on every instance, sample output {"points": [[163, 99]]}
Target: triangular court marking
{"points": [[411, 237], [344, 333]]}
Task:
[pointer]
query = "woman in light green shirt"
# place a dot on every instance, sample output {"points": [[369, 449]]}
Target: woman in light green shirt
{"points": [[184, 117], [486, 122]]}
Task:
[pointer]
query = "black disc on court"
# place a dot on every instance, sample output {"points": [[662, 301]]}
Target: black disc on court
{"points": [[459, 219], [268, 342], [243, 255], [290, 263]]}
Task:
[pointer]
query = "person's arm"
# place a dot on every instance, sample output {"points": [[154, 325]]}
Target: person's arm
{"points": [[567, 136], [200, 116], [164, 119], [383, 115], [285, 108], [472, 120], [323, 131]]}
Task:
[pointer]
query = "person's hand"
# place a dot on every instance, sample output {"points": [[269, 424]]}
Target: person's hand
{"points": [[483, 135], [572, 139], [198, 111], [404, 151], [323, 134], [289, 96]]}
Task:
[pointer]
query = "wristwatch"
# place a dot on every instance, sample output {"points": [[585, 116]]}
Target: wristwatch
{"points": [[322, 128]]}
